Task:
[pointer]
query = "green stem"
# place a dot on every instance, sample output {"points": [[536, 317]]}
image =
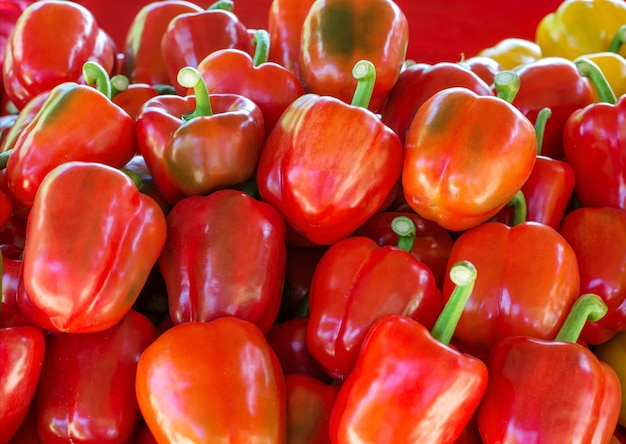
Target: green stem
{"points": [[251, 188], [262, 41], [618, 40], [95, 74], [164, 89], [587, 307], [589, 69], [224, 5], [189, 77], [540, 127], [365, 74], [404, 227], [134, 177], [119, 83], [520, 209], [4, 158], [507, 85], [463, 274], [302, 310]]}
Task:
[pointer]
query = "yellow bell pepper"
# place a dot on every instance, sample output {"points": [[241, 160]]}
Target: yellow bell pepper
{"points": [[512, 52], [581, 27], [613, 66], [613, 353]]}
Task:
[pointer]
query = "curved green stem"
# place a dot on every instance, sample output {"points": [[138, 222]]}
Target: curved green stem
{"points": [[520, 209], [589, 69], [224, 5], [95, 74], [587, 307], [507, 85], [463, 274], [365, 74], [119, 83], [189, 77], [4, 158], [540, 127], [404, 227], [618, 40], [134, 177], [262, 41]]}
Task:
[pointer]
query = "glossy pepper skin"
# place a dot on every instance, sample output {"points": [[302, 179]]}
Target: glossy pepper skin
{"points": [[559, 33], [22, 350], [336, 34], [612, 352], [89, 376], [418, 83], [100, 267], [38, 59], [235, 264], [465, 157], [216, 381]]}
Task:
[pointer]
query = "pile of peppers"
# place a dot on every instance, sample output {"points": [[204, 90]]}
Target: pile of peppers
{"points": [[308, 231]]}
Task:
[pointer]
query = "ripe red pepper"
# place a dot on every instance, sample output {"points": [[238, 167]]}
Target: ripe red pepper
{"points": [[87, 389], [345, 297], [189, 144], [22, 351], [466, 156], [37, 60], [232, 71], [408, 385], [593, 141], [26, 115], [192, 36], [598, 237], [76, 122], [528, 281], [307, 168], [134, 96], [224, 255], [421, 81], [550, 391], [98, 268], [336, 34], [216, 381]]}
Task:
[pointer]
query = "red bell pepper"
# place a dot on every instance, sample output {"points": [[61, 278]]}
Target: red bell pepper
{"points": [[26, 115], [143, 60], [216, 381], [76, 122], [336, 34], [408, 384], [232, 71], [598, 237], [529, 279], [346, 295], [593, 140], [22, 351], [307, 168], [86, 392], [484, 67], [135, 95], [466, 156], [189, 142], [192, 36], [309, 403], [418, 83], [78, 277], [224, 255], [550, 391], [38, 60]]}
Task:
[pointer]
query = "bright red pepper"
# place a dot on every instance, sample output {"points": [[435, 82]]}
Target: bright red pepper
{"points": [[542, 391], [22, 351], [528, 281], [98, 268], [308, 166], [76, 122], [484, 67], [134, 96], [598, 237], [189, 142], [224, 255], [466, 156], [86, 392], [593, 141], [232, 71], [408, 385], [336, 34], [26, 115], [216, 381], [38, 60], [418, 83], [192, 36]]}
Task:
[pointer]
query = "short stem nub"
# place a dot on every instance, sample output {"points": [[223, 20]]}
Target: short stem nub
{"points": [[507, 85], [404, 227]]}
